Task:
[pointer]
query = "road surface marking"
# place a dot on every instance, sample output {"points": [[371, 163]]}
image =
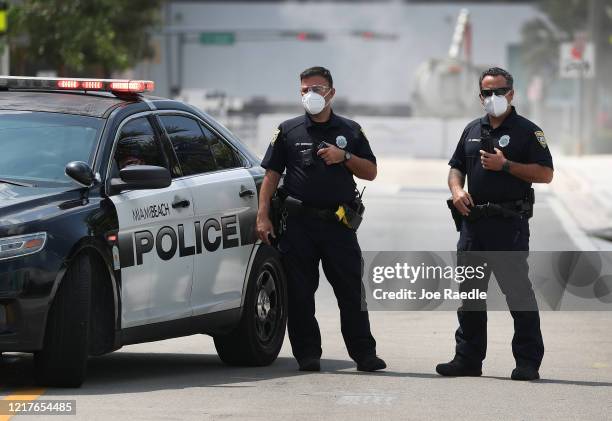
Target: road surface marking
{"points": [[23, 395], [366, 399]]}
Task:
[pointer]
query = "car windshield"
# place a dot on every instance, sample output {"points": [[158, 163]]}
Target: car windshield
{"points": [[36, 146]]}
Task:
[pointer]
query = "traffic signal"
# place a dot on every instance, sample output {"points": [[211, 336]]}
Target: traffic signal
{"points": [[372, 35], [304, 35]]}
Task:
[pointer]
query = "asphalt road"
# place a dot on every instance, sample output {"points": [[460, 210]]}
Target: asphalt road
{"points": [[184, 379]]}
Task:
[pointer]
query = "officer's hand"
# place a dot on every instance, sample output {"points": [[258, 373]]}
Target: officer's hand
{"points": [[493, 162], [462, 201], [264, 228], [331, 155]]}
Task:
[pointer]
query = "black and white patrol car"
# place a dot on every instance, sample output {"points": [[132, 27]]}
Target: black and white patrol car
{"points": [[126, 218]]}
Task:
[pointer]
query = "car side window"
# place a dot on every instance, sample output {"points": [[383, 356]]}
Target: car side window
{"points": [[191, 147], [224, 155], [138, 145]]}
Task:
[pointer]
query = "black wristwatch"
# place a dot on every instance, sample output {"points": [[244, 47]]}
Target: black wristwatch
{"points": [[506, 166], [347, 155]]}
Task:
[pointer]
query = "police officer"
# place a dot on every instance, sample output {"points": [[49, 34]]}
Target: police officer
{"points": [[495, 219], [321, 153]]}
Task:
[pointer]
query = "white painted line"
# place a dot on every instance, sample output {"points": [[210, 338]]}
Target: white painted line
{"points": [[576, 234], [366, 399]]}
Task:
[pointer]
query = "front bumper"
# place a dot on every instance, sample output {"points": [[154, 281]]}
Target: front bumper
{"points": [[26, 287], [23, 329]]}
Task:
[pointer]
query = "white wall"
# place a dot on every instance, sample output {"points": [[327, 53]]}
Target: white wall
{"points": [[364, 71], [389, 136]]}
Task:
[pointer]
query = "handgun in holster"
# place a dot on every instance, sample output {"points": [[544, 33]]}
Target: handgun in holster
{"points": [[527, 204], [454, 213], [278, 214]]}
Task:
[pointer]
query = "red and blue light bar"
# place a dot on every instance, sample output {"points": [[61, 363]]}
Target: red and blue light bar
{"points": [[77, 84]]}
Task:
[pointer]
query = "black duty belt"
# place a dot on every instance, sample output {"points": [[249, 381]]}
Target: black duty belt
{"points": [[297, 207], [347, 214], [520, 209], [489, 209]]}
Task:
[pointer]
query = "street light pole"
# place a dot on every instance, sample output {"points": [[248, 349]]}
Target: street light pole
{"points": [[590, 102]]}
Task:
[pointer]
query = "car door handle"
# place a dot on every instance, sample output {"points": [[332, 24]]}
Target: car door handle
{"points": [[181, 204], [246, 193]]}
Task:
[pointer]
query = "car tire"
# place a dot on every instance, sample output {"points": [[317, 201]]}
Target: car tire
{"points": [[63, 359], [259, 337]]}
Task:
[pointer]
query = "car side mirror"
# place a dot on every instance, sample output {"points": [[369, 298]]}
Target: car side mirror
{"points": [[80, 172], [140, 177]]}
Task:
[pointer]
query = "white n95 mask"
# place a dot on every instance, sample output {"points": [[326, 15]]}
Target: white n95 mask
{"points": [[495, 105], [313, 102]]}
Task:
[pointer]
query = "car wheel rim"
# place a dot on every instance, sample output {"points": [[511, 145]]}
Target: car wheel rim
{"points": [[267, 308]]}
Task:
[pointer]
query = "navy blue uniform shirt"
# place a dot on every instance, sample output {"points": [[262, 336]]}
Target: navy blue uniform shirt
{"points": [[318, 185], [518, 138]]}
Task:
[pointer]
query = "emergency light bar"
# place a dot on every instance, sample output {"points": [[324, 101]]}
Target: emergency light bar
{"points": [[77, 84]]}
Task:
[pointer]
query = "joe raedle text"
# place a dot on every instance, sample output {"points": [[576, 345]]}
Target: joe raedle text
{"points": [[427, 276], [423, 294]]}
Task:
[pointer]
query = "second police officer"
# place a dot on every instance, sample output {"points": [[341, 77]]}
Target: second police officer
{"points": [[501, 154], [321, 152]]}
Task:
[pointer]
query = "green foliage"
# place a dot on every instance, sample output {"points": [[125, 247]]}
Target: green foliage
{"points": [[540, 50], [569, 16], [79, 36]]}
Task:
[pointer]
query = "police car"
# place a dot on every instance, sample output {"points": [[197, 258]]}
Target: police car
{"points": [[126, 218]]}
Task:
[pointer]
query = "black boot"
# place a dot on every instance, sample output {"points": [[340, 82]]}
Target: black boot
{"points": [[310, 364], [525, 373], [372, 363], [456, 368]]}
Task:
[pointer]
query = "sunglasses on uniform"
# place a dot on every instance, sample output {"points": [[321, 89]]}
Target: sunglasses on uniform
{"points": [[497, 91], [317, 89]]}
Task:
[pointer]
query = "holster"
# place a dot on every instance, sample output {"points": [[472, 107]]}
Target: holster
{"points": [[348, 214], [454, 214], [278, 214], [351, 214]]}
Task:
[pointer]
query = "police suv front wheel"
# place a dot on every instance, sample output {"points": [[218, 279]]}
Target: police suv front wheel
{"points": [[259, 337], [63, 360]]}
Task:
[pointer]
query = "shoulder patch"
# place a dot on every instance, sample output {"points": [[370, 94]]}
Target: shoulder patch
{"points": [[541, 138], [362, 132], [275, 136]]}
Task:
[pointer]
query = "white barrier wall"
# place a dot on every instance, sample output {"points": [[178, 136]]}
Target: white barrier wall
{"points": [[416, 137]]}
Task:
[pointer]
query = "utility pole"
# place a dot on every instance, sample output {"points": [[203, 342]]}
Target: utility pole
{"points": [[591, 103]]}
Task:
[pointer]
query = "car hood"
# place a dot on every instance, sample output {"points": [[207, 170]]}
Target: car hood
{"points": [[19, 204]]}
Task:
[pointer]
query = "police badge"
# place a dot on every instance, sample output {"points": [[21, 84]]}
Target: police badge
{"points": [[504, 141]]}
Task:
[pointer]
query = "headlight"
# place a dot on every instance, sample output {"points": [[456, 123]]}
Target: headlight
{"points": [[21, 245]]}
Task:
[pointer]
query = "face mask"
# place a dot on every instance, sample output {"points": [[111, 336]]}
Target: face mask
{"points": [[313, 102], [495, 105]]}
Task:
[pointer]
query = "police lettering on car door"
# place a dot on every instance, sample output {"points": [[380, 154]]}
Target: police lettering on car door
{"points": [[210, 235]]}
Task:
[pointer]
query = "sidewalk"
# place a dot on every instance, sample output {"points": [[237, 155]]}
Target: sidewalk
{"points": [[582, 185]]}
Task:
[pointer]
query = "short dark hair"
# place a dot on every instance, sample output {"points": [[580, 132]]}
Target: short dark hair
{"points": [[497, 71], [318, 71]]}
